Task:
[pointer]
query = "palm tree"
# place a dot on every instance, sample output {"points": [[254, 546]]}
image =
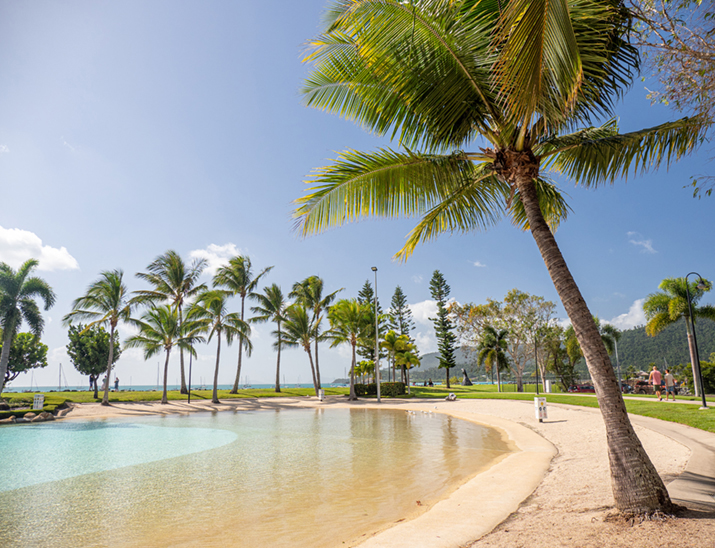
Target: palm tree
{"points": [[309, 293], [160, 328], [173, 282], [18, 291], [237, 277], [271, 307], [407, 359], [210, 312], [350, 322], [299, 330], [492, 351], [105, 302], [526, 78], [394, 344], [670, 304]]}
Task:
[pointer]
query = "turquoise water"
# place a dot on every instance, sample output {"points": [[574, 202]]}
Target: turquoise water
{"points": [[293, 478]]}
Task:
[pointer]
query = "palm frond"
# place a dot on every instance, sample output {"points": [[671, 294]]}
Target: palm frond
{"points": [[419, 70], [384, 183], [595, 156]]}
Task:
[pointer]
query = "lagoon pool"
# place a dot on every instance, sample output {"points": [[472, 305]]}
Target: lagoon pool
{"points": [[293, 478]]}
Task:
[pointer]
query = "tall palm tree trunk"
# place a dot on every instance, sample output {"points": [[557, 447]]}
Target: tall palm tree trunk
{"points": [[352, 396], [312, 369], [164, 399], [637, 487], [184, 390], [214, 396], [234, 390], [112, 327], [498, 379], [691, 347], [5, 355], [317, 367], [278, 361]]}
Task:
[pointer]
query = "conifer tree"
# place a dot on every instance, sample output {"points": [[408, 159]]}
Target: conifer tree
{"points": [[442, 324], [400, 318]]}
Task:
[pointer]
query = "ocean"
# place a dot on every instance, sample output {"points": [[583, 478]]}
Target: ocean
{"points": [[145, 387]]}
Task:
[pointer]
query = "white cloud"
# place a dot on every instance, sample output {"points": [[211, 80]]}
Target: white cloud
{"points": [[4, 149], [65, 143], [563, 322], [426, 341], [17, 246], [422, 312], [635, 316], [215, 255], [479, 265], [638, 240], [417, 279]]}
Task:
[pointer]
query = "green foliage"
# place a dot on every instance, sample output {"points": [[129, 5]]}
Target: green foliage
{"points": [[27, 352], [446, 339], [366, 348], [387, 389], [400, 315], [88, 349], [636, 349]]}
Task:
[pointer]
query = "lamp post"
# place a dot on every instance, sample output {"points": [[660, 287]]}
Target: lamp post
{"points": [[701, 285], [377, 339]]}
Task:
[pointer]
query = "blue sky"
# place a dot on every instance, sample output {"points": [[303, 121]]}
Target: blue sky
{"points": [[131, 128]]}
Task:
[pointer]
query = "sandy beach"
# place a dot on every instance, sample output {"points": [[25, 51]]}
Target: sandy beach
{"points": [[555, 491]]}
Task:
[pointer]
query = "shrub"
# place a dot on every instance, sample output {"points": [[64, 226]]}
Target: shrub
{"points": [[387, 389]]}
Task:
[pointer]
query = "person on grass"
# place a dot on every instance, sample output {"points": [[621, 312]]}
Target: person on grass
{"points": [[654, 379], [669, 385]]}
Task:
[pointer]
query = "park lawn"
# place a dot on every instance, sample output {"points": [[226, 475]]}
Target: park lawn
{"points": [[686, 414]]}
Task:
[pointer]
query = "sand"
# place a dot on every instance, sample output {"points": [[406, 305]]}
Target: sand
{"points": [[555, 492]]}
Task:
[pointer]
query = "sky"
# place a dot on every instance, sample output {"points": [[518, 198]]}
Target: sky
{"points": [[131, 128]]}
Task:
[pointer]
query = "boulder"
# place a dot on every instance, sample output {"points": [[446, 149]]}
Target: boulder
{"points": [[30, 416], [4, 406], [9, 420], [452, 397], [44, 416]]}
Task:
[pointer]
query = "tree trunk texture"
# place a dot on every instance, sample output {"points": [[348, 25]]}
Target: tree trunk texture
{"points": [[184, 389], [234, 390], [498, 380], [637, 487], [5, 355], [214, 396], [447, 370], [312, 369], [317, 367], [164, 399], [105, 398], [352, 396], [278, 361], [691, 347]]}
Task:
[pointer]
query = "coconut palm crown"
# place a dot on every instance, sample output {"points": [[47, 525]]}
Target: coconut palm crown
{"points": [[18, 291], [487, 98], [106, 302]]}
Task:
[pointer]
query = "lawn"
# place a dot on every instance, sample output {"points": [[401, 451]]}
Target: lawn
{"points": [[687, 414]]}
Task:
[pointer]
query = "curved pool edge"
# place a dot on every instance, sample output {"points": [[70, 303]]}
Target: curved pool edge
{"points": [[479, 505], [471, 511]]}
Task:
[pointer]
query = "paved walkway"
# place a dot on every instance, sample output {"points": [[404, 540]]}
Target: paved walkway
{"points": [[696, 485]]}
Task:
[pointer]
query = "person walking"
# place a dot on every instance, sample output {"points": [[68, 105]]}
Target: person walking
{"points": [[116, 384], [654, 379], [669, 385]]}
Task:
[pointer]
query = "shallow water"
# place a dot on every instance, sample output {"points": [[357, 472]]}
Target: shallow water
{"points": [[313, 478]]}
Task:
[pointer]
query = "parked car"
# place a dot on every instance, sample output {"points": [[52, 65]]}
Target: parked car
{"points": [[588, 388]]}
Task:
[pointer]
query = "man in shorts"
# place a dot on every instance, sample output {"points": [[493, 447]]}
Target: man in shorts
{"points": [[669, 385], [654, 379]]}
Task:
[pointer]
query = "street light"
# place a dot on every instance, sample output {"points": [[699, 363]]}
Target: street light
{"points": [[377, 338], [701, 285]]}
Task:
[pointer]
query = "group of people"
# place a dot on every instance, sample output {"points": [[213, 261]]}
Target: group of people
{"points": [[662, 383], [93, 382]]}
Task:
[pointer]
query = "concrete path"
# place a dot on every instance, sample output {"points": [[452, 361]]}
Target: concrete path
{"points": [[696, 485]]}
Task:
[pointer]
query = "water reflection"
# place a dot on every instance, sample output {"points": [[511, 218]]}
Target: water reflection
{"points": [[291, 478]]}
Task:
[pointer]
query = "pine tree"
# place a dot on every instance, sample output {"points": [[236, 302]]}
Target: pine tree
{"points": [[442, 325], [400, 318], [366, 348]]}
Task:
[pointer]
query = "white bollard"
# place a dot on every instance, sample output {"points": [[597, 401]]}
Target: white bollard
{"points": [[540, 409], [321, 394]]}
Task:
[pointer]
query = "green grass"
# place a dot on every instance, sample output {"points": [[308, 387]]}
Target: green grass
{"points": [[687, 414]]}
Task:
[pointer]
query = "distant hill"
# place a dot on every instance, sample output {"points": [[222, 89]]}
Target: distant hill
{"points": [[635, 348], [671, 345]]}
